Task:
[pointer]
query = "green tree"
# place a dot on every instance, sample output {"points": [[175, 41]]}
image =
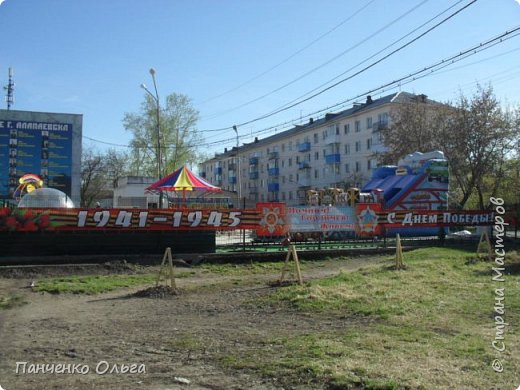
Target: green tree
{"points": [[178, 134]]}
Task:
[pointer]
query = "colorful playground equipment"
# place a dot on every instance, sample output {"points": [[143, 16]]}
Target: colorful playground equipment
{"points": [[28, 183]]}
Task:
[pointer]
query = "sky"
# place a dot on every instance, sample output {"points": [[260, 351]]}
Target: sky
{"points": [[238, 60]]}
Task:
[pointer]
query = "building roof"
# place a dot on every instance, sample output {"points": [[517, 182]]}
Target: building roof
{"points": [[398, 97]]}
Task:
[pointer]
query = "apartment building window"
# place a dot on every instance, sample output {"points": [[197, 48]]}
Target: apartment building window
{"points": [[290, 162], [369, 165], [297, 177], [337, 128], [290, 146], [283, 148], [316, 155], [290, 195], [369, 122], [358, 166], [283, 163], [315, 138], [383, 119], [315, 173], [369, 143], [283, 195], [283, 179], [358, 146], [347, 149], [346, 128], [324, 151], [357, 126], [324, 134], [297, 159], [291, 178], [261, 168], [347, 168]]}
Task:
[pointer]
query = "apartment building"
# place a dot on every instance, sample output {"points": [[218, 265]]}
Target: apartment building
{"points": [[338, 150]]}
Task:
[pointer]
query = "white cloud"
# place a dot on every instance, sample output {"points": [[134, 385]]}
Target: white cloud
{"points": [[518, 1]]}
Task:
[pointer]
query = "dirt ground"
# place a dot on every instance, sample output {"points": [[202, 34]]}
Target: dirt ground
{"points": [[181, 338]]}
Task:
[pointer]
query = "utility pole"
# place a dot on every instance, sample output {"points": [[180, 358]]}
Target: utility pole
{"points": [[158, 123], [9, 98]]}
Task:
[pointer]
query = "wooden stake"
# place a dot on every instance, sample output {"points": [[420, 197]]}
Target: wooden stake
{"points": [[484, 240], [291, 252], [398, 253], [167, 256]]}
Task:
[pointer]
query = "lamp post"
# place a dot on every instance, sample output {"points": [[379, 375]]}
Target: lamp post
{"points": [[239, 190], [159, 160]]}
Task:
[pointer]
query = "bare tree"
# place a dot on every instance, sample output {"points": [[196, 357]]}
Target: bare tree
{"points": [[476, 135], [99, 173]]}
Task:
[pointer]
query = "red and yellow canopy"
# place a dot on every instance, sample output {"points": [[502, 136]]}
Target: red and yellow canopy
{"points": [[182, 180]]}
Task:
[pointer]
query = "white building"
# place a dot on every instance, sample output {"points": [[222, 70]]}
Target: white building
{"points": [[338, 150], [130, 192]]}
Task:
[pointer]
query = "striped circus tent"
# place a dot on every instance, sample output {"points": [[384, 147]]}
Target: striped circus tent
{"points": [[182, 180]]}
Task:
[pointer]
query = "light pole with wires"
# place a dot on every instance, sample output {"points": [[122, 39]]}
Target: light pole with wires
{"points": [[158, 110], [239, 190]]}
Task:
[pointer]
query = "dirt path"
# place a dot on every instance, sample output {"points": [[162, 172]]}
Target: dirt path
{"points": [[188, 336]]}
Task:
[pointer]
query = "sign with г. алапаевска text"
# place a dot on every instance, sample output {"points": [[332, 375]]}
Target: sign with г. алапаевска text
{"points": [[41, 148]]}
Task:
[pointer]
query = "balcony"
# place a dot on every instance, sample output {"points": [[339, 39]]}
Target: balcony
{"points": [[304, 147], [273, 156], [333, 158], [378, 126], [304, 165], [232, 180], [218, 171], [253, 175], [273, 171], [304, 182], [253, 160], [273, 187]]}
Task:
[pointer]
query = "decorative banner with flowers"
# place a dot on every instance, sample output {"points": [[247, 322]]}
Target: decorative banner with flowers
{"points": [[25, 220]]}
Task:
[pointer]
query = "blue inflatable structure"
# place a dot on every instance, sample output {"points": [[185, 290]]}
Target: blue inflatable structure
{"points": [[420, 181]]}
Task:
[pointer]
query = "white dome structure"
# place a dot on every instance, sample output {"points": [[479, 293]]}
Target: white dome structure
{"points": [[46, 197]]}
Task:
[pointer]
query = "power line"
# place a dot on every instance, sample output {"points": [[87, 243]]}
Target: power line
{"points": [[424, 72], [291, 56], [370, 57], [360, 71], [322, 65], [416, 75], [355, 66]]}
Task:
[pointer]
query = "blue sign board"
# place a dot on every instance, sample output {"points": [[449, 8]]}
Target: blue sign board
{"points": [[40, 148]]}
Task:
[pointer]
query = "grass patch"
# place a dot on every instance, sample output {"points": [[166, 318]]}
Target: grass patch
{"points": [[430, 326], [92, 284], [245, 269], [10, 301]]}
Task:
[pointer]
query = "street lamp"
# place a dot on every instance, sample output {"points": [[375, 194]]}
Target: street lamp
{"points": [[159, 160], [239, 190]]}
